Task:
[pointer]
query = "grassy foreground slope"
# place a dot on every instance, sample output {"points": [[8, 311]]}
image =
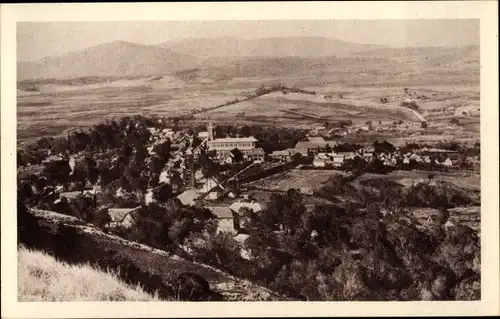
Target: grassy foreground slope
{"points": [[43, 278]]}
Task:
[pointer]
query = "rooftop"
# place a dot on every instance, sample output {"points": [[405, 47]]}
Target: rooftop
{"points": [[119, 214], [235, 139], [280, 153], [239, 205], [306, 145], [256, 151], [188, 197], [222, 212], [317, 140]]}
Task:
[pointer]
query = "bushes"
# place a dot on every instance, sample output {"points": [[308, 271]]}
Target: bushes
{"points": [[166, 225], [411, 105], [193, 287], [157, 274]]}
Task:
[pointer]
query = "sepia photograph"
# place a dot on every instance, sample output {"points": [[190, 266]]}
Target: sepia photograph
{"points": [[248, 160]]}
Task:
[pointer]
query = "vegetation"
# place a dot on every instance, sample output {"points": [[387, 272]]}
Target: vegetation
{"points": [[354, 253], [411, 105], [43, 278], [364, 246]]}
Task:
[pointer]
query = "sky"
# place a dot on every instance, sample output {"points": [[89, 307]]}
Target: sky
{"points": [[36, 40]]}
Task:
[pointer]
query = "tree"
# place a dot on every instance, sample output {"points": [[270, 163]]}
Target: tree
{"points": [[237, 155], [423, 125], [192, 287], [163, 193], [383, 147], [261, 90], [430, 177], [284, 212], [79, 176], [57, 172], [101, 218], [245, 131], [454, 121]]}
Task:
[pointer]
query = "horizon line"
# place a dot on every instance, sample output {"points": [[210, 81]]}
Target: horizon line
{"points": [[252, 39]]}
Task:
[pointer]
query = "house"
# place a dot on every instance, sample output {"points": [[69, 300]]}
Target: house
{"points": [[198, 176], [203, 135], [318, 140], [164, 178], [417, 158], [228, 158], [255, 155], [237, 206], [187, 198], [212, 189], [447, 162], [305, 148], [52, 158], [368, 156], [318, 131], [121, 217], [283, 155], [367, 153], [74, 194], [312, 145], [306, 190], [318, 162], [337, 160], [228, 220], [149, 197]]}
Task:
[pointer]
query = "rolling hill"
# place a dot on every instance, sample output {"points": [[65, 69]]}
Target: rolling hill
{"points": [[227, 57], [276, 47], [117, 58]]}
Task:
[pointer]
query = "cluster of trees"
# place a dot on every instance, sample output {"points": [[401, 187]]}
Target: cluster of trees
{"points": [[411, 105], [168, 225], [334, 252], [391, 195], [280, 87], [110, 135]]}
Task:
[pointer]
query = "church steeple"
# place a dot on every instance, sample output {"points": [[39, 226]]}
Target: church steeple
{"points": [[210, 130]]}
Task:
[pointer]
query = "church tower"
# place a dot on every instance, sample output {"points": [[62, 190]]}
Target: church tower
{"points": [[210, 130]]}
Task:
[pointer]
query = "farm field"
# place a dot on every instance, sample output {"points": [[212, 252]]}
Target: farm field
{"points": [[46, 108], [296, 179], [465, 180]]}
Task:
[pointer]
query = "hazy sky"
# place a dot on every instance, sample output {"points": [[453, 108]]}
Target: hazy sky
{"points": [[39, 39]]}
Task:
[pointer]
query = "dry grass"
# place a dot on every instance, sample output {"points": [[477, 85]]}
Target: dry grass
{"points": [[43, 278]]}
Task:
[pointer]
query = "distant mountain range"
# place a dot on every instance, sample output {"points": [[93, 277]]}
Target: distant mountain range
{"points": [[108, 59], [122, 58], [270, 47]]}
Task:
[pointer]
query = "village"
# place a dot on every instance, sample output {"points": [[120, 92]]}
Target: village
{"points": [[227, 196]]}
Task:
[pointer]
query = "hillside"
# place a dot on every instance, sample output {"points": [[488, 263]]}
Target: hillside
{"points": [[117, 58], [269, 47], [74, 241], [225, 58], [44, 278]]}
